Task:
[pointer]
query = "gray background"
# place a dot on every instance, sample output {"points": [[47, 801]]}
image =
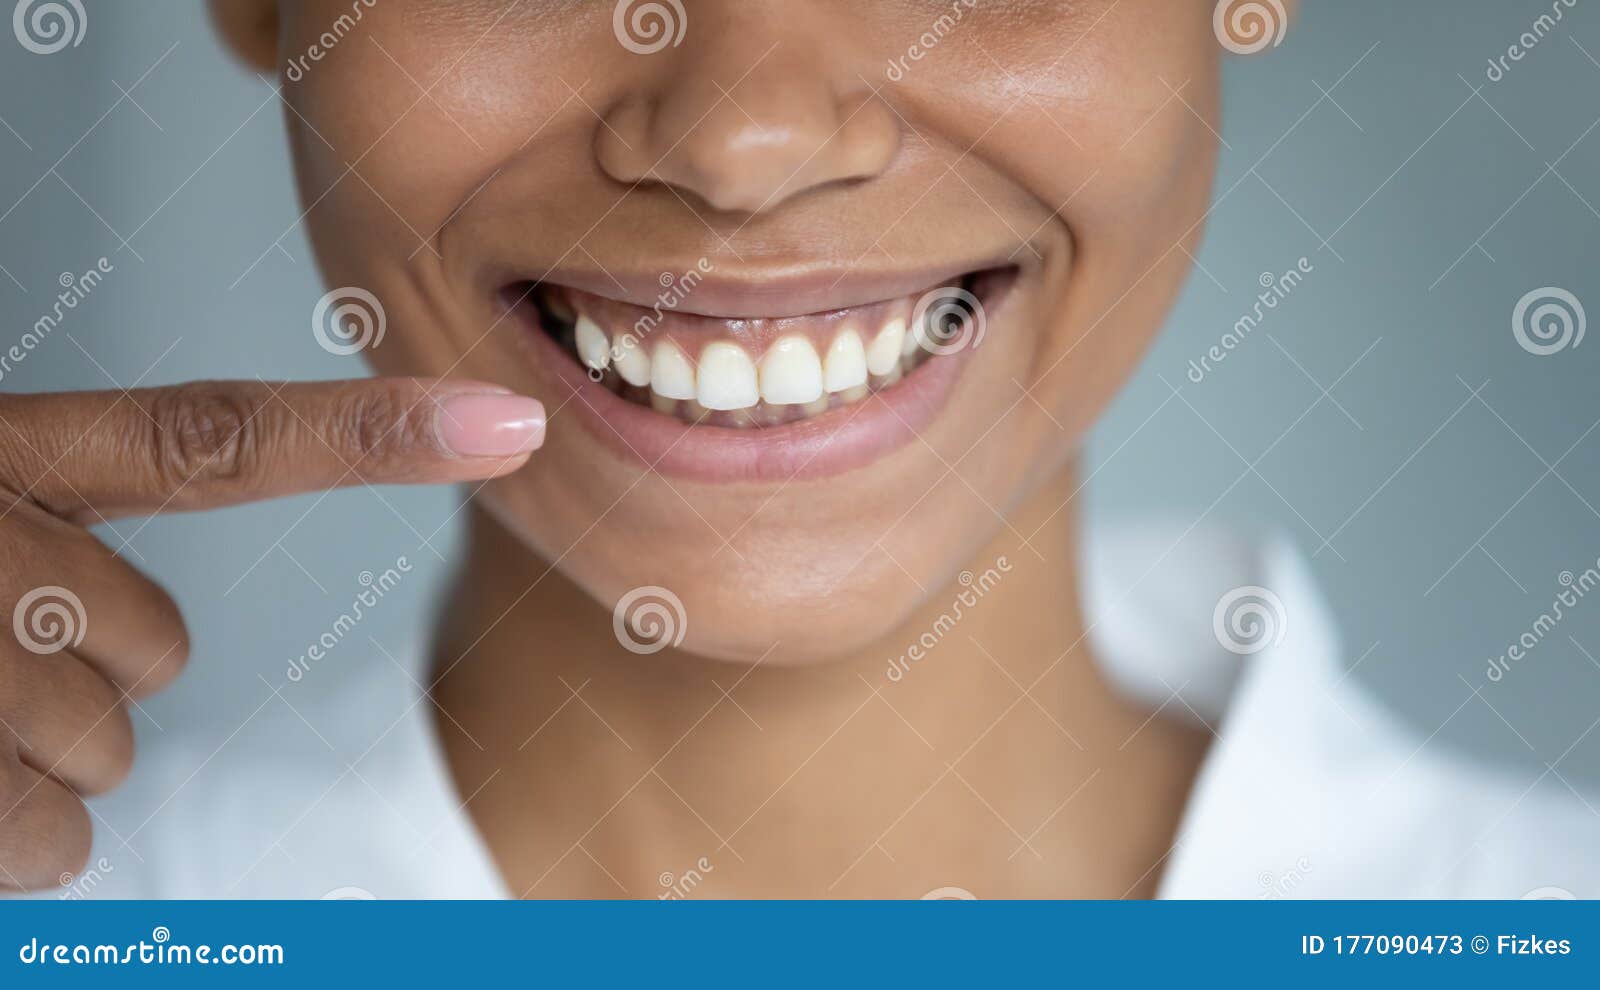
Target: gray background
{"points": [[1383, 416]]}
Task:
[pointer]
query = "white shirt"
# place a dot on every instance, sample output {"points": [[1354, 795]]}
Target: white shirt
{"points": [[1311, 788]]}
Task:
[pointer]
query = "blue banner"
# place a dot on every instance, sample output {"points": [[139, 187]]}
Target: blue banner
{"points": [[746, 944]]}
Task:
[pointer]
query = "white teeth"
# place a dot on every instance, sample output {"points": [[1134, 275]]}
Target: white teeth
{"points": [[790, 381], [727, 378], [633, 364], [791, 373], [884, 354], [671, 374], [594, 350], [846, 364], [909, 345]]}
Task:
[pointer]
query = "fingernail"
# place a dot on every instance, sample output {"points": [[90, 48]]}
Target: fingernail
{"points": [[489, 425]]}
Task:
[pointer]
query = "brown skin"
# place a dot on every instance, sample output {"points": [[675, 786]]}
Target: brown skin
{"points": [[1042, 131], [76, 458]]}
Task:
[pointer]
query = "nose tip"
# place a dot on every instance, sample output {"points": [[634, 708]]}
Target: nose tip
{"points": [[747, 150]]}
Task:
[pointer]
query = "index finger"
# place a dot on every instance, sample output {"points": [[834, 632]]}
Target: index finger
{"points": [[210, 444]]}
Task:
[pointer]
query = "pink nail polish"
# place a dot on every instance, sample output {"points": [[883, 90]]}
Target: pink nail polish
{"points": [[491, 425]]}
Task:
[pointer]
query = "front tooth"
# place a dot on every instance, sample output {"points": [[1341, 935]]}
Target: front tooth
{"points": [[884, 354], [910, 343], [791, 372], [633, 364], [846, 365], [671, 374], [594, 350], [727, 377]]}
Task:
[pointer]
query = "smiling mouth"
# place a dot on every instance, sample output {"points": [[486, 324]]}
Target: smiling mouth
{"points": [[759, 372]]}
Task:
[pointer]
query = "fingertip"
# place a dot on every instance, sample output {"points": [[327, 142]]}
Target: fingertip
{"points": [[491, 425]]}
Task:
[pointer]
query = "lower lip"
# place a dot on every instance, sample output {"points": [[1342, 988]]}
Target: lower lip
{"points": [[841, 440]]}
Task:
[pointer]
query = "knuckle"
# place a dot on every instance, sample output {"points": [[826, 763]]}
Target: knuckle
{"points": [[204, 432], [378, 425], [48, 833]]}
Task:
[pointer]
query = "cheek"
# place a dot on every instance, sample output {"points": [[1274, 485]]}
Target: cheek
{"points": [[1121, 146], [396, 124]]}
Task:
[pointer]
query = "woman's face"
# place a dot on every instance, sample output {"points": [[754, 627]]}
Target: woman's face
{"points": [[727, 211]]}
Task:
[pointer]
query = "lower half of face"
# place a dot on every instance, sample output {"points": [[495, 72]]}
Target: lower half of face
{"points": [[816, 294]]}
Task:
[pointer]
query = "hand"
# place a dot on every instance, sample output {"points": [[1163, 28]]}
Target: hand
{"points": [[87, 632]]}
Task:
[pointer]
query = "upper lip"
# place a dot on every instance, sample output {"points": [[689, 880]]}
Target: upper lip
{"points": [[720, 291]]}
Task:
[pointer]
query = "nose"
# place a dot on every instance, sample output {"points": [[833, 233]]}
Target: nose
{"points": [[745, 131]]}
